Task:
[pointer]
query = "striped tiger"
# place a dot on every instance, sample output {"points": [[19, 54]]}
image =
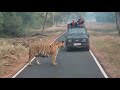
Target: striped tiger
{"points": [[45, 51]]}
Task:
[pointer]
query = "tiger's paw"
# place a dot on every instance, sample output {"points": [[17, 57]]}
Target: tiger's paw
{"points": [[54, 64], [38, 62], [26, 61]]}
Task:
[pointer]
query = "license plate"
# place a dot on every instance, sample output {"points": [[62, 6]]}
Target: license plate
{"points": [[76, 44]]}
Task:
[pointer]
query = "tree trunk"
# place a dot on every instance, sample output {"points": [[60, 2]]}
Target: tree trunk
{"points": [[53, 19], [44, 23], [61, 22], [56, 23], [118, 21]]}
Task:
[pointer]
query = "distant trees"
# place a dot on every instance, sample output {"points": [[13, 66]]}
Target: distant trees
{"points": [[44, 23], [118, 21], [16, 23], [12, 24], [1, 21], [63, 17], [105, 17]]}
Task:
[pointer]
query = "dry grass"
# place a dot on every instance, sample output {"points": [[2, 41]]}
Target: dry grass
{"points": [[9, 55], [105, 43]]}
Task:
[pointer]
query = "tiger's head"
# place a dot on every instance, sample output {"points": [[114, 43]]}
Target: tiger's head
{"points": [[60, 44]]}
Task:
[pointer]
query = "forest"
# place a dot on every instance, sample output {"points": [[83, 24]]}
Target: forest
{"points": [[18, 24]]}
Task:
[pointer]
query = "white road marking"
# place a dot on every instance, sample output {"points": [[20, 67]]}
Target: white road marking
{"points": [[22, 69], [58, 37], [100, 67], [34, 58]]}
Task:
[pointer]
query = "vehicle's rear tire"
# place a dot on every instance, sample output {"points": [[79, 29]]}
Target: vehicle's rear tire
{"points": [[87, 48]]}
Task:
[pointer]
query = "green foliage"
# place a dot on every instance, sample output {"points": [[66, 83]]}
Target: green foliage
{"points": [[12, 24], [66, 16], [38, 19], [105, 16], [1, 21], [19, 23]]}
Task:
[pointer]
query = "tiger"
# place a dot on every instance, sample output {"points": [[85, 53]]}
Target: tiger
{"points": [[45, 51]]}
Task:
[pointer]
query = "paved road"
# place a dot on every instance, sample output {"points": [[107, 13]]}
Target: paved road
{"points": [[74, 64]]}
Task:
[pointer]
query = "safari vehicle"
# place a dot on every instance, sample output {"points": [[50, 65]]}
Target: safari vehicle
{"points": [[77, 38]]}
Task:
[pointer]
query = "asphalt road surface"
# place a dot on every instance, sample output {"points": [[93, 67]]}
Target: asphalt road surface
{"points": [[73, 64]]}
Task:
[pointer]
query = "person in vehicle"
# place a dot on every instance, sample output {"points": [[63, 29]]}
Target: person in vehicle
{"points": [[73, 24], [76, 24], [81, 22], [68, 25]]}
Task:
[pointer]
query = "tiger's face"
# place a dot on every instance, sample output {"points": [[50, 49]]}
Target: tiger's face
{"points": [[60, 44]]}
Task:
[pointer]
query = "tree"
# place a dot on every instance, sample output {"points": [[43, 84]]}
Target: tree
{"points": [[118, 21], [1, 21], [12, 24], [44, 22], [17, 23], [60, 17], [27, 18], [105, 17]]}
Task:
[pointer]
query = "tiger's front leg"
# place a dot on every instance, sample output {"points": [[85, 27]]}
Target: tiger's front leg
{"points": [[54, 59], [30, 63]]}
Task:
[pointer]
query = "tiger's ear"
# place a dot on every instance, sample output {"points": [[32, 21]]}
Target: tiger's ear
{"points": [[62, 41]]}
